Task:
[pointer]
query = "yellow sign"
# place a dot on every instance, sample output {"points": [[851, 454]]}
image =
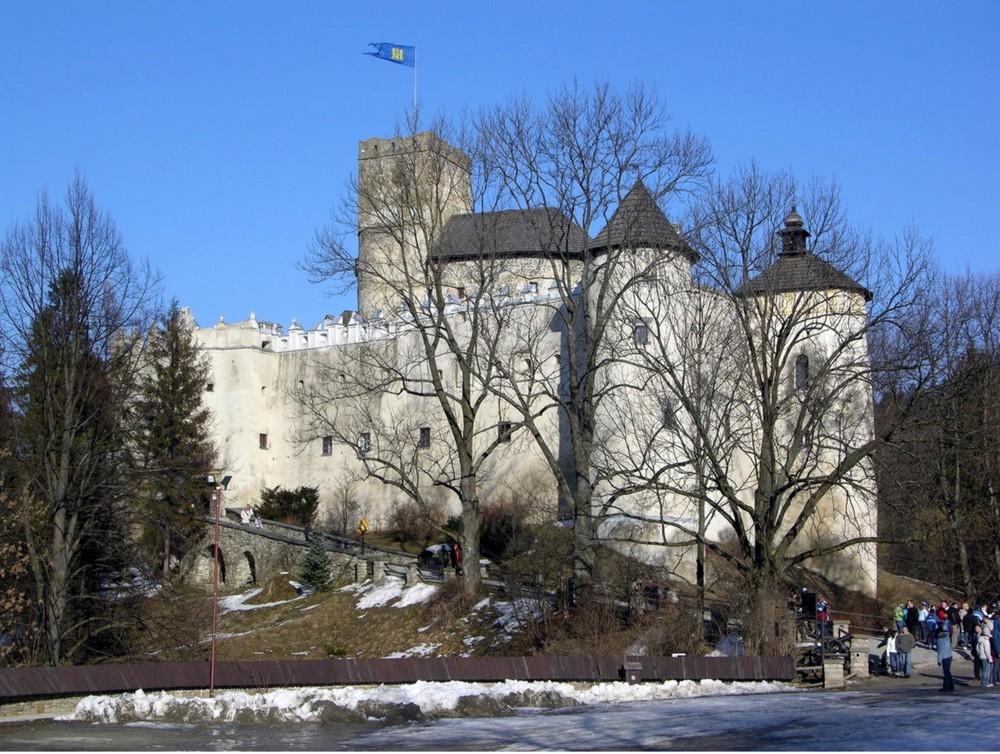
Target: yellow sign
{"points": [[363, 526]]}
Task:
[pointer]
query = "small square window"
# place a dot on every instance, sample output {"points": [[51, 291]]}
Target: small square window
{"points": [[262, 441], [640, 334], [328, 446], [504, 430], [425, 438], [209, 387]]}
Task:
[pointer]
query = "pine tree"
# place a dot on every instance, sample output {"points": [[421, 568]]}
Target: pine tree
{"points": [[315, 568], [173, 442]]}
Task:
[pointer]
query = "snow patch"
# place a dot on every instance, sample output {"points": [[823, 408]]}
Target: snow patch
{"points": [[416, 594], [421, 650], [238, 602], [433, 698]]}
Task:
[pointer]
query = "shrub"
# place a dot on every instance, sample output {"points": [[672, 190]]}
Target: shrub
{"points": [[503, 532], [296, 507], [408, 523]]}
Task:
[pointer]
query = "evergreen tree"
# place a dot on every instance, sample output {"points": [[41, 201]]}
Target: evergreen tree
{"points": [[173, 444], [73, 311], [315, 568]]}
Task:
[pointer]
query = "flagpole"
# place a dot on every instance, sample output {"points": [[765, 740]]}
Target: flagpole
{"points": [[414, 81]]}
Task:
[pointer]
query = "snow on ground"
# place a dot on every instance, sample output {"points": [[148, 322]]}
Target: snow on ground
{"points": [[421, 650], [433, 698], [237, 602], [511, 616], [416, 594], [384, 592]]}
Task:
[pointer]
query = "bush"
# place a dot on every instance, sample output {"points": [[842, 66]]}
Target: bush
{"points": [[503, 532], [296, 507], [408, 523]]}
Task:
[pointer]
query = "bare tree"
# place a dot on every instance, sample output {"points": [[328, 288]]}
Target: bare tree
{"points": [[939, 479], [72, 306], [579, 156], [412, 399]]}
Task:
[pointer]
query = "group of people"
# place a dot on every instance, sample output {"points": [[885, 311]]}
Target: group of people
{"points": [[442, 556], [945, 627], [248, 517]]}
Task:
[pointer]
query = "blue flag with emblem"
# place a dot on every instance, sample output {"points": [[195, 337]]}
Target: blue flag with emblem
{"points": [[394, 53]]}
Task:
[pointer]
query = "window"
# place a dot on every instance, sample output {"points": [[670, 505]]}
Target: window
{"points": [[328, 446], [262, 440], [425, 438], [807, 438], [504, 430], [209, 387], [669, 414], [364, 444], [801, 372], [640, 333]]}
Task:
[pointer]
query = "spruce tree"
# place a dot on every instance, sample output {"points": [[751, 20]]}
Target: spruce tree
{"points": [[173, 442], [315, 568]]}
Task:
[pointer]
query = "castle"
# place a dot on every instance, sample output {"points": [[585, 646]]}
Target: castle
{"points": [[675, 405]]}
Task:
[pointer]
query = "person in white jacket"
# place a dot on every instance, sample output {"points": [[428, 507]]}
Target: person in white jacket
{"points": [[890, 648]]}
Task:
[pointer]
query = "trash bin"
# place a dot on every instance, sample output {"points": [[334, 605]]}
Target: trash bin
{"points": [[632, 672]]}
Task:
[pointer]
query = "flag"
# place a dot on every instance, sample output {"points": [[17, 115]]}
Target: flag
{"points": [[394, 53]]}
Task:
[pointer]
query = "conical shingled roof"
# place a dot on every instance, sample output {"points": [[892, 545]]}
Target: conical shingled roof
{"points": [[800, 270], [640, 223]]}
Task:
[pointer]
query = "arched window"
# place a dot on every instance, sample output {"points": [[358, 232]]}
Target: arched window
{"points": [[801, 372]]}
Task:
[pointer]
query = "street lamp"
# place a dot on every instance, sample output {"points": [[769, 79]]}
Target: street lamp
{"points": [[217, 489]]}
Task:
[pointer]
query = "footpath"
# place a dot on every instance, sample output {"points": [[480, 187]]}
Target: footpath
{"points": [[926, 672]]}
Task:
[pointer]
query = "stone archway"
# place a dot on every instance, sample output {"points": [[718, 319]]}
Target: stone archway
{"points": [[211, 551], [252, 565]]}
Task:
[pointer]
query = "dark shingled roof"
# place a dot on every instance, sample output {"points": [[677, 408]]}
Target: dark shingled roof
{"points": [[510, 233], [640, 223], [800, 270]]}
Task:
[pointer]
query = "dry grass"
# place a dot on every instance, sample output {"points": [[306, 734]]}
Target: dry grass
{"points": [[328, 625]]}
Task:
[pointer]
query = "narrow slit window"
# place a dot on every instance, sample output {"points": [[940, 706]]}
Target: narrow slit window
{"points": [[802, 372]]}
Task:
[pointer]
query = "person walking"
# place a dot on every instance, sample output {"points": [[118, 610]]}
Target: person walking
{"points": [[984, 653], [906, 642], [944, 655]]}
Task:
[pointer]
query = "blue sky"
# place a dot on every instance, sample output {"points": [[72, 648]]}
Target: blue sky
{"points": [[219, 135]]}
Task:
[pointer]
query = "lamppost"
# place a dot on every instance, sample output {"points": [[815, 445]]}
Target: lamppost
{"points": [[217, 490]]}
